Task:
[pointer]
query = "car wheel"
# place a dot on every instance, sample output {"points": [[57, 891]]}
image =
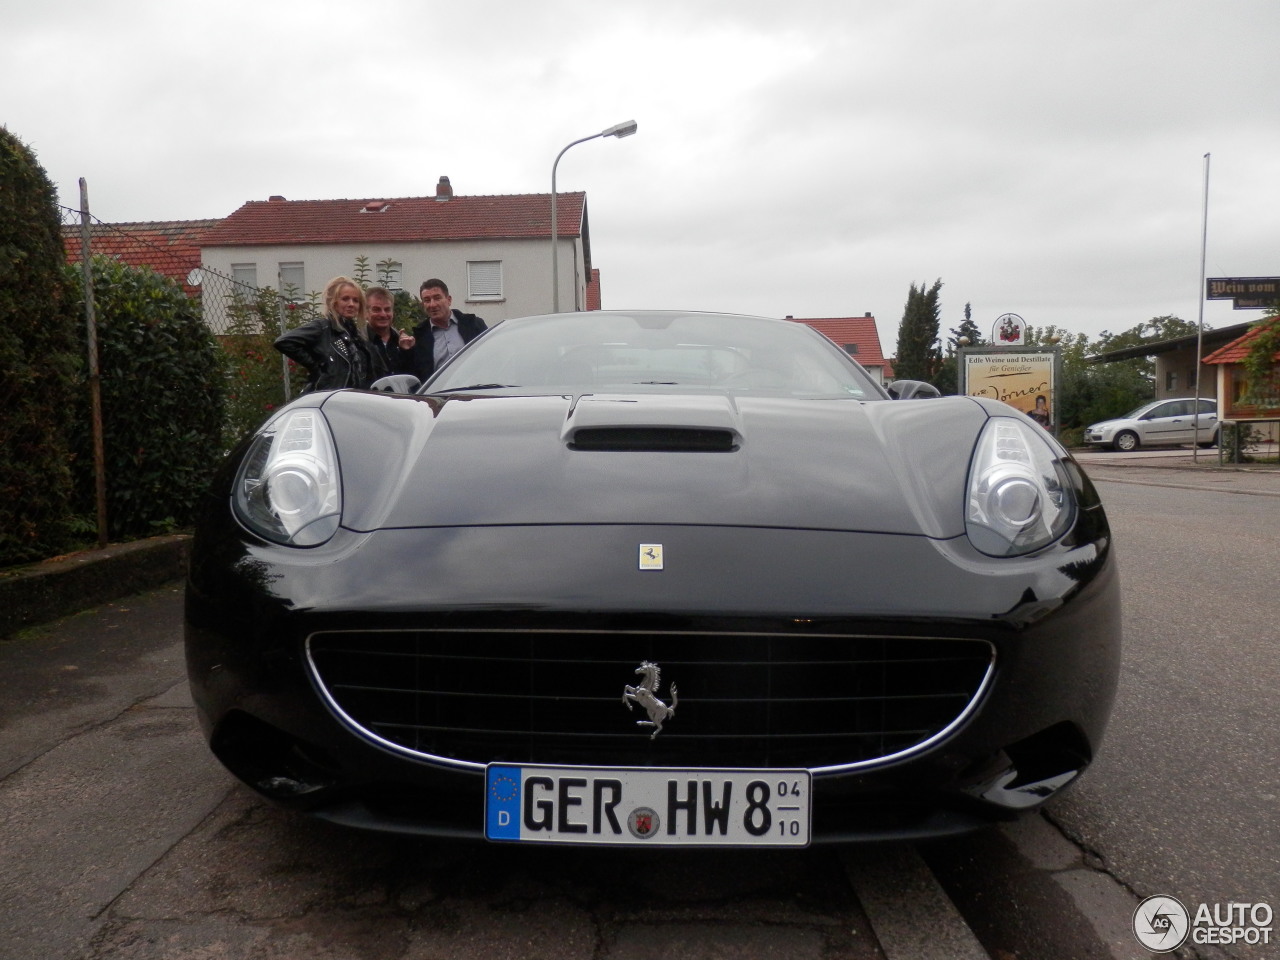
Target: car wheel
{"points": [[1212, 442], [1126, 440]]}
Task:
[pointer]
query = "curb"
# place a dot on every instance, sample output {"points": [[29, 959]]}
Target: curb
{"points": [[65, 585]]}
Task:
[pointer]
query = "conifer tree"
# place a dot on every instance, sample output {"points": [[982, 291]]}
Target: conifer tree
{"points": [[918, 354]]}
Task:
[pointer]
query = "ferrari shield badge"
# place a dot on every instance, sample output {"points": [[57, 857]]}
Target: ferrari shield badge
{"points": [[650, 556], [645, 693]]}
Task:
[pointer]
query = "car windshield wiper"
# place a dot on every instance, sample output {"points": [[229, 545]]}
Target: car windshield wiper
{"points": [[477, 386]]}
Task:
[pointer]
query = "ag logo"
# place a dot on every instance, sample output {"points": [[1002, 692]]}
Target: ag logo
{"points": [[1161, 924]]}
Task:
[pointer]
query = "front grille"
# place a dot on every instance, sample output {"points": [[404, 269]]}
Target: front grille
{"points": [[554, 697]]}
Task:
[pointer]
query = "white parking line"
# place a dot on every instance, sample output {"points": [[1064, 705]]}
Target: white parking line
{"points": [[912, 916]]}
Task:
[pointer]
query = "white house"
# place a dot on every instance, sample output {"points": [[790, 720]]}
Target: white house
{"points": [[494, 252]]}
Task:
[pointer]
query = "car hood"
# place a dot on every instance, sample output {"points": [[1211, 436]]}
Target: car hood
{"points": [[884, 466]]}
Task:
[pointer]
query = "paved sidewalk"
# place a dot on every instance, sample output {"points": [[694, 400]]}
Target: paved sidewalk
{"points": [[1180, 468]]}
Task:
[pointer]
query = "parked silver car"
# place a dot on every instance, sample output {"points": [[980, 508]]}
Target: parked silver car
{"points": [[1162, 423]]}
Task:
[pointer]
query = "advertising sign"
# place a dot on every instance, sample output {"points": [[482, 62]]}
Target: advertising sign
{"points": [[1248, 288], [1024, 379]]}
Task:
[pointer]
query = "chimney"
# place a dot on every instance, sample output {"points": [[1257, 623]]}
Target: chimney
{"points": [[275, 198], [444, 190]]}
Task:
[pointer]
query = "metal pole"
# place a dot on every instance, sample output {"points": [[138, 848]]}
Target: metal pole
{"points": [[618, 130], [284, 361], [555, 251], [95, 378], [1204, 240]]}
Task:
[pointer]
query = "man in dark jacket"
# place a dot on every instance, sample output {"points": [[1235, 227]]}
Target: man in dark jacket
{"points": [[444, 332], [395, 348]]}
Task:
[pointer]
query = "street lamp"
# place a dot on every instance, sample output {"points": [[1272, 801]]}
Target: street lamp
{"points": [[618, 130]]}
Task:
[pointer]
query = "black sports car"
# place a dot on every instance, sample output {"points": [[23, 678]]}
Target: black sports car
{"points": [[653, 578]]}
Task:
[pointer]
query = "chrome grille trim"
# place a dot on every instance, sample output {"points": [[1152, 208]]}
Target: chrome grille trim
{"points": [[975, 658]]}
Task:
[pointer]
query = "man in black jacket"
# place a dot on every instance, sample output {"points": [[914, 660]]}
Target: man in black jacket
{"points": [[445, 330], [395, 348]]}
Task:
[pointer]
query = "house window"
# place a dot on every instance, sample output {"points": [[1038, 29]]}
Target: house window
{"points": [[851, 348], [244, 277], [484, 279], [292, 284], [1171, 380], [389, 274]]}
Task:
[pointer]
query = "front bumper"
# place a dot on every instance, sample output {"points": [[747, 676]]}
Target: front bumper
{"points": [[1053, 621]]}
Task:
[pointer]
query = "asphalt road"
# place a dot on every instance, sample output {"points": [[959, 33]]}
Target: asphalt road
{"points": [[1184, 798]]}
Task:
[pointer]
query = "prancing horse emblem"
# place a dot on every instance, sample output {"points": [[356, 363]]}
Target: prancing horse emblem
{"points": [[645, 693]]}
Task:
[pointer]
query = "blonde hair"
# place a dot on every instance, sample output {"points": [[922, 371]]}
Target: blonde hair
{"points": [[332, 291]]}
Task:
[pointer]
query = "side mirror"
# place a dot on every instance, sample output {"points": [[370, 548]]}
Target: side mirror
{"points": [[396, 383], [912, 390]]}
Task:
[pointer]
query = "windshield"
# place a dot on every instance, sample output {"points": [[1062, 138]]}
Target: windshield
{"points": [[600, 352], [1136, 412]]}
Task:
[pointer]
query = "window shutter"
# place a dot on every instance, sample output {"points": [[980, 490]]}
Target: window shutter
{"points": [[484, 279]]}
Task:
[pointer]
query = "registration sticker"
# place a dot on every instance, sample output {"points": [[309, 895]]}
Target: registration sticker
{"points": [[657, 806]]}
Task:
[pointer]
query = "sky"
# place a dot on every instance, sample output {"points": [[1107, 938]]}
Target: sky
{"points": [[808, 158]]}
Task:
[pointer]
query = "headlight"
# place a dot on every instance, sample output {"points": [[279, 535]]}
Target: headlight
{"points": [[288, 489], [1019, 496]]}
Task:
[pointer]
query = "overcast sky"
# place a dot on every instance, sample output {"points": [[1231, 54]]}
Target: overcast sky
{"points": [[808, 157]]}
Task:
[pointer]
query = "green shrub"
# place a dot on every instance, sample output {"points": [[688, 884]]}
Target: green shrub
{"points": [[37, 364], [1072, 437], [255, 369], [1238, 443], [163, 394]]}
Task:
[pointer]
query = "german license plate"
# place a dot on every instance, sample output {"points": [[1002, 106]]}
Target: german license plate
{"points": [[658, 806]]}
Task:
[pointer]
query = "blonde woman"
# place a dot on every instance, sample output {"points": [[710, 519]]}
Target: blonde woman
{"points": [[334, 348]]}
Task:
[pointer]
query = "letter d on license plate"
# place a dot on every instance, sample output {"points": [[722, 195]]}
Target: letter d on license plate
{"points": [[647, 805]]}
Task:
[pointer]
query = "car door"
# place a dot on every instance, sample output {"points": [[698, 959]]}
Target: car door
{"points": [[1208, 421], [1168, 423]]}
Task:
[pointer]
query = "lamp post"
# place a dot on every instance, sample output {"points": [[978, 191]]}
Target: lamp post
{"points": [[618, 130]]}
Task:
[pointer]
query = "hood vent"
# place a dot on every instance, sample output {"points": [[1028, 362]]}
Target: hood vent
{"points": [[654, 439]]}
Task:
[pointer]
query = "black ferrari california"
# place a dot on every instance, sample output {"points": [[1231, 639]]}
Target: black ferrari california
{"points": [[653, 578]]}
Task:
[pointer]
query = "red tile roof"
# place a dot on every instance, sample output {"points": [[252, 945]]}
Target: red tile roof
{"points": [[1235, 351], [850, 330], [404, 219], [169, 247]]}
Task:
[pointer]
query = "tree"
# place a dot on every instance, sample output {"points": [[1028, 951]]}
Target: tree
{"points": [[968, 330], [1152, 331], [1090, 392], [948, 378], [918, 355], [37, 363], [1262, 373]]}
